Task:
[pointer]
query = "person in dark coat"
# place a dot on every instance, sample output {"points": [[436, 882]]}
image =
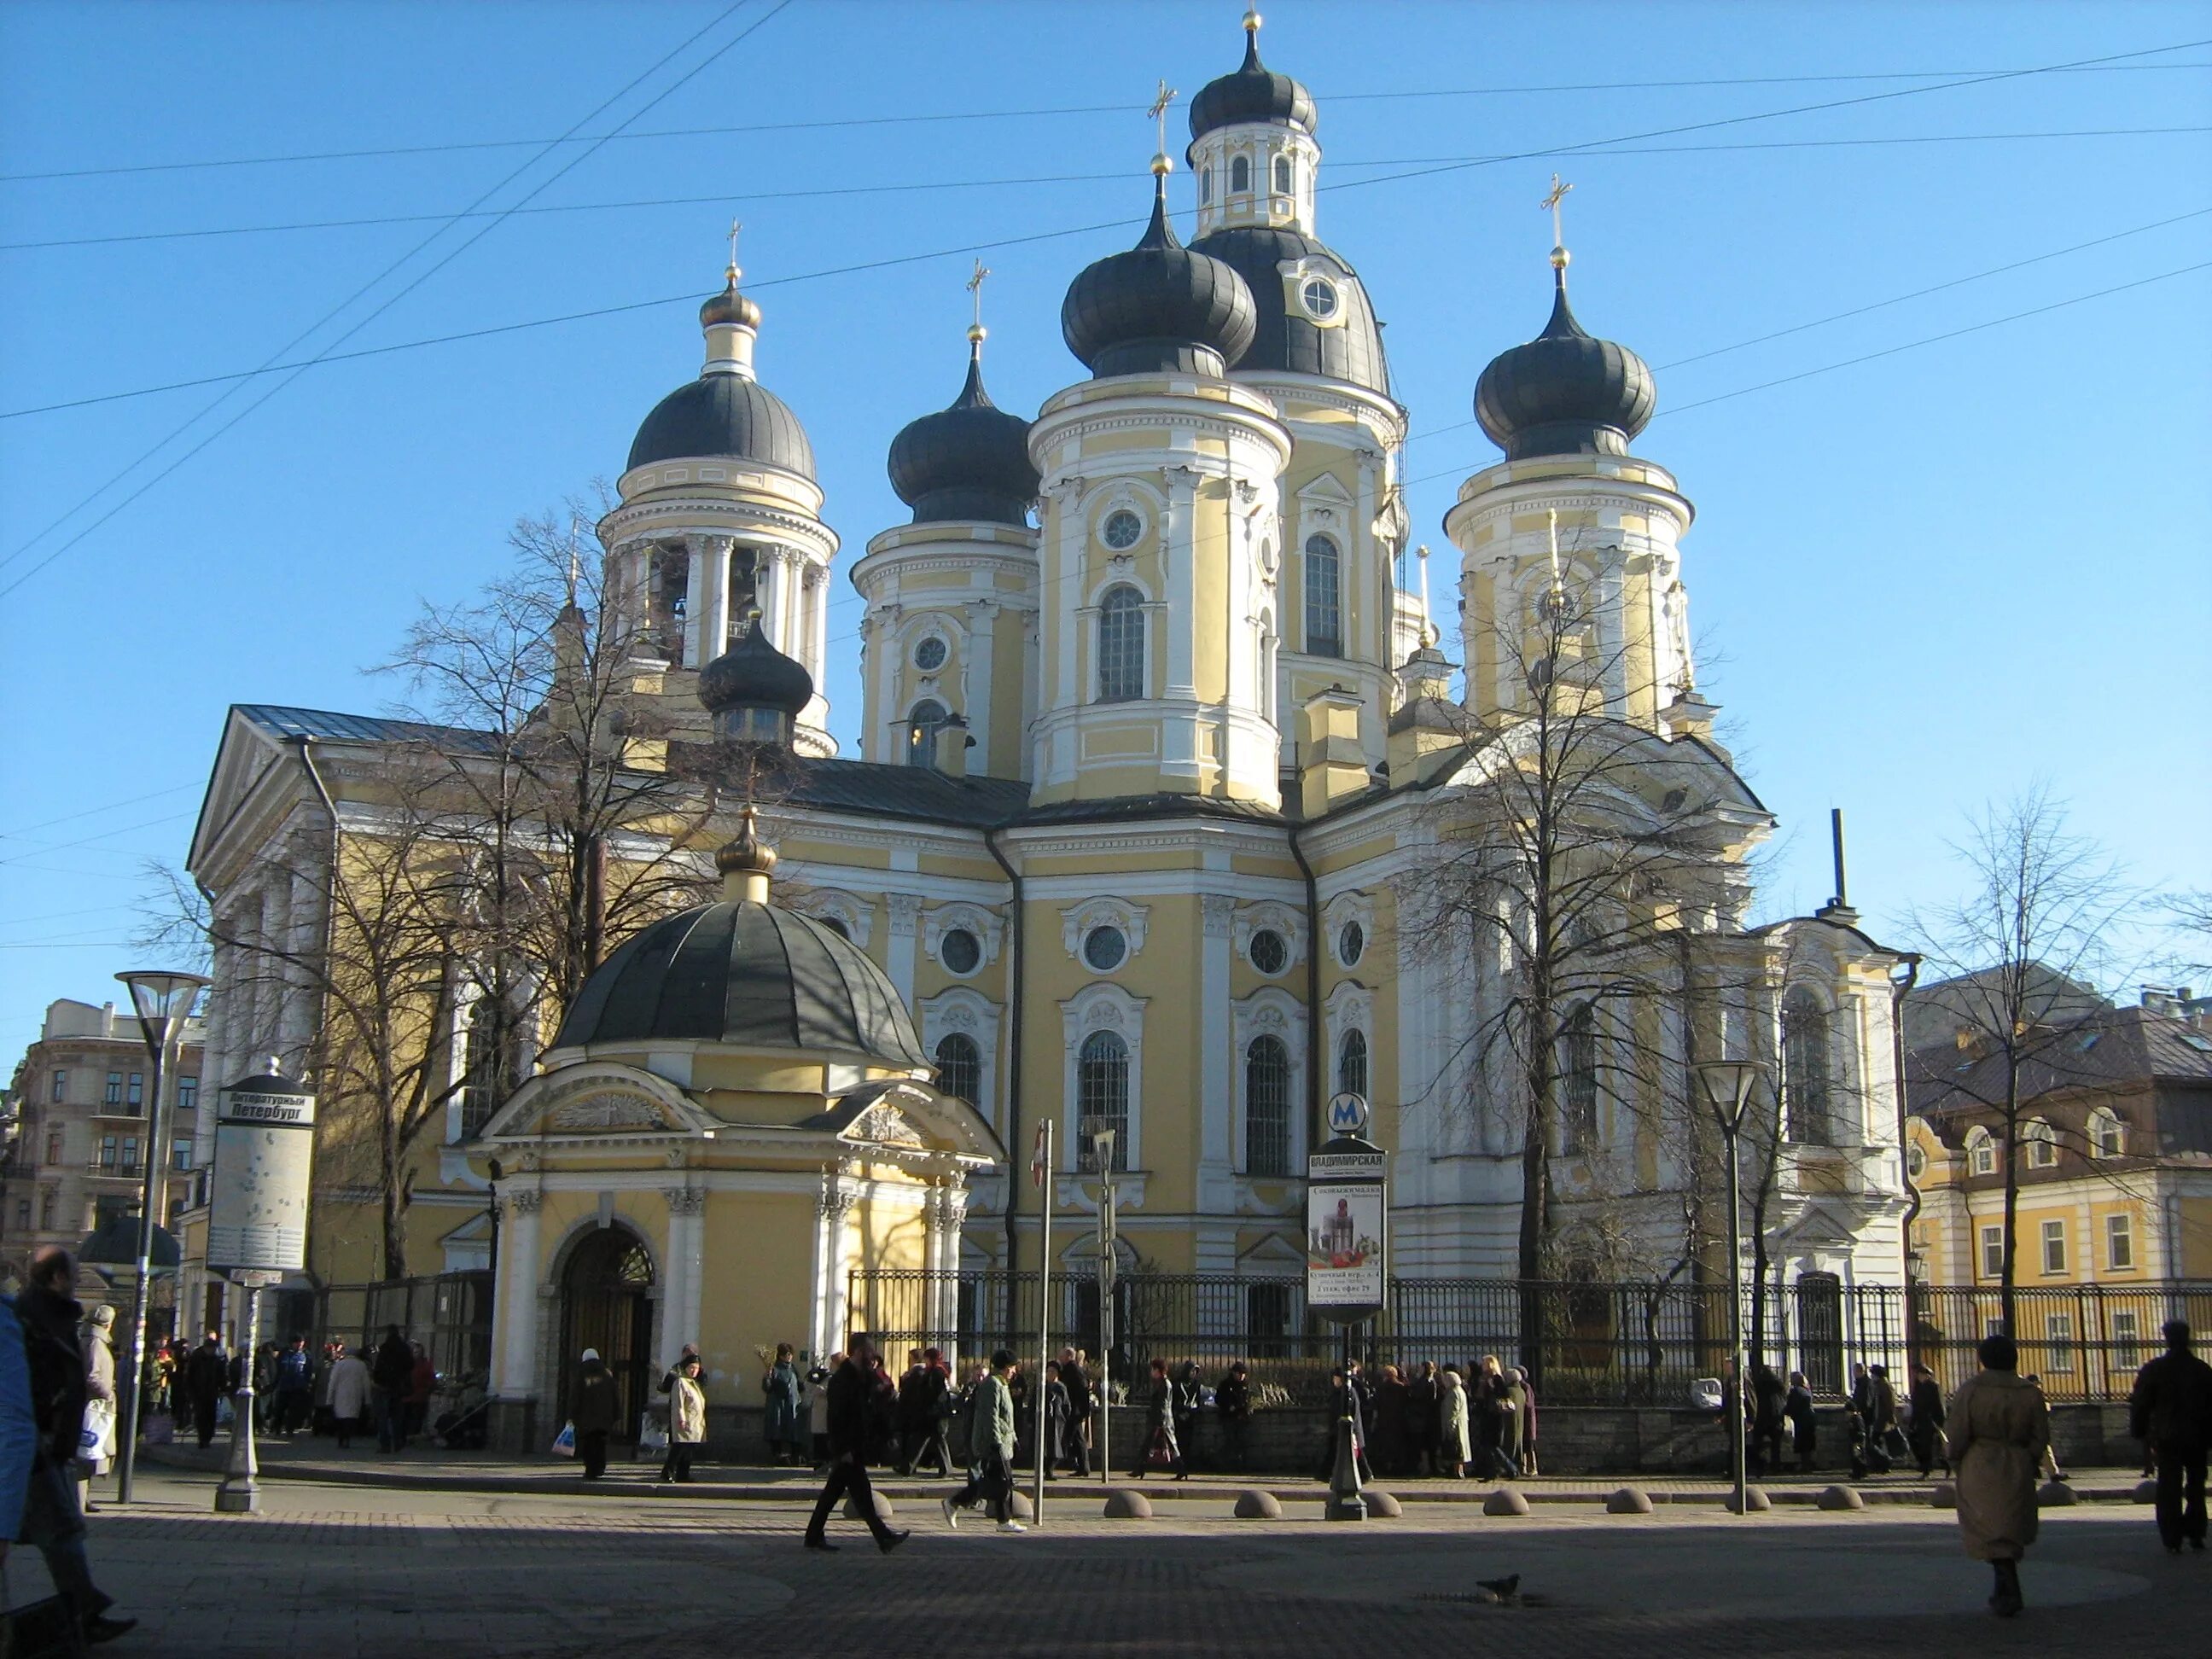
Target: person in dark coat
{"points": [[852, 1391], [392, 1371], [2171, 1411], [1422, 1414], [911, 1412], [1797, 1407], [1393, 1439], [1160, 1427], [593, 1412], [1768, 1397], [1926, 1434], [1075, 1442], [1055, 1417], [53, 1354], [207, 1373], [1232, 1403]]}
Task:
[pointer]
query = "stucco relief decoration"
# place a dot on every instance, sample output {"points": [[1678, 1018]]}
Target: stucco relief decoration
{"points": [[987, 926], [1103, 1008], [906, 911], [1341, 911], [1282, 919], [1219, 910], [1076, 921], [608, 1111], [886, 1127], [856, 915], [524, 1200]]}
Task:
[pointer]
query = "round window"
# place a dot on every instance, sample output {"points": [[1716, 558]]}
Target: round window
{"points": [[960, 950], [1318, 295], [1351, 944], [1916, 1162], [1120, 529], [1269, 954], [1103, 948], [929, 656]]}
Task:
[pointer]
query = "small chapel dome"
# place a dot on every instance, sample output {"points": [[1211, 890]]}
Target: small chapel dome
{"points": [[725, 412], [753, 691], [1158, 306], [1252, 93], [967, 462], [1565, 393]]}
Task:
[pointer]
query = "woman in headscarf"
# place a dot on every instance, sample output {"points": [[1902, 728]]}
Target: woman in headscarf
{"points": [[593, 1412], [1451, 1417], [98, 1443], [1998, 1428]]}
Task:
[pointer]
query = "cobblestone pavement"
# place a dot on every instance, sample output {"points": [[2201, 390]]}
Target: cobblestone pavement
{"points": [[335, 1571]]}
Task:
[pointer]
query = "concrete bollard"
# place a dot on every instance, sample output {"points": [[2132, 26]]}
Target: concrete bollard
{"points": [[1258, 1506], [2055, 1495], [2146, 1492], [1382, 1503], [1628, 1501], [1505, 1501], [1021, 1509], [1840, 1499], [1123, 1505], [883, 1506], [1945, 1496], [1755, 1500]]}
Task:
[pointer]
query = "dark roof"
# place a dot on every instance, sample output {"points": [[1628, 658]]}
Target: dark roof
{"points": [[325, 726], [1252, 91], [754, 674], [1158, 306], [1938, 1009], [753, 975], [1565, 393], [1120, 809], [2102, 1050], [1282, 337], [876, 790], [727, 415], [966, 463]]}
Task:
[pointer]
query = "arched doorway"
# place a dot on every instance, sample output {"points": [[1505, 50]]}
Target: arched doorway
{"points": [[606, 1303]]}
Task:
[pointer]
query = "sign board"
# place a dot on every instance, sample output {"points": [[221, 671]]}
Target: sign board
{"points": [[1347, 1230], [265, 1146], [1348, 1114]]}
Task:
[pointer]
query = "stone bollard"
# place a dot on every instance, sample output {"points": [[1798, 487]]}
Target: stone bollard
{"points": [[2055, 1495], [1382, 1503], [1944, 1495], [2146, 1492], [1021, 1509], [1840, 1499], [1628, 1501], [1505, 1501], [883, 1506], [1258, 1506], [1753, 1500], [1123, 1505]]}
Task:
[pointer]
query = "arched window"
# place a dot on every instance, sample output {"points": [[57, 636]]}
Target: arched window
{"points": [[1266, 1108], [1805, 1070], [1982, 1152], [1102, 1089], [1206, 183], [2108, 1136], [1282, 176], [960, 1068], [1324, 598], [922, 724], [1121, 645], [1578, 1079], [2042, 1143], [1240, 176], [1351, 1063]]}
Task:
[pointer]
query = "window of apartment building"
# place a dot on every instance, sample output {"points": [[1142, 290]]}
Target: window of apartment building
{"points": [[60, 1090], [2054, 1247], [130, 1151], [1982, 1147], [2042, 1144], [2108, 1136], [2126, 1327], [2120, 1241], [53, 1145], [136, 1096], [180, 1152], [188, 1094], [22, 1215], [2058, 1342], [46, 1201], [114, 1095], [1993, 1252], [107, 1145]]}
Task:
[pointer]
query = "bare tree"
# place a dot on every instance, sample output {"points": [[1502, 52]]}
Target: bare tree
{"points": [[2019, 953]]}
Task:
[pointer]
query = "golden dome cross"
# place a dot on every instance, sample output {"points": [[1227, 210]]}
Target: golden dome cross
{"points": [[1552, 201], [1158, 111]]}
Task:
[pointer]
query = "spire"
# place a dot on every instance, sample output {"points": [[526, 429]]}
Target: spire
{"points": [[972, 395], [1162, 166], [731, 322], [1252, 21], [1562, 325], [746, 862]]}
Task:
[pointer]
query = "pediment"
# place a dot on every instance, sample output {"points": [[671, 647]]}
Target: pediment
{"points": [[907, 1117], [595, 1101]]}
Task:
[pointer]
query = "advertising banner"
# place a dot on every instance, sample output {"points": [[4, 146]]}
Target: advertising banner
{"points": [[1347, 1207], [264, 1145]]}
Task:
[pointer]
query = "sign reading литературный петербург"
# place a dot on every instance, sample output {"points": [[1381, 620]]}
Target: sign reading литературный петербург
{"points": [[264, 1145]]}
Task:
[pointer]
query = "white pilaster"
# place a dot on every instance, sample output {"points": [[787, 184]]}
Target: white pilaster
{"points": [[1178, 553], [514, 1358], [906, 915], [1217, 1168]]}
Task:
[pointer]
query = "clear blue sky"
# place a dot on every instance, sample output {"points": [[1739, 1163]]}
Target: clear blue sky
{"points": [[1921, 581]]}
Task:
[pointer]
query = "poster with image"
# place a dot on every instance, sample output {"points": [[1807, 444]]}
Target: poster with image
{"points": [[1345, 1264]]}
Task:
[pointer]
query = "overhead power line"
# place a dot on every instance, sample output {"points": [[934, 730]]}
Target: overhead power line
{"points": [[835, 122], [831, 192]]}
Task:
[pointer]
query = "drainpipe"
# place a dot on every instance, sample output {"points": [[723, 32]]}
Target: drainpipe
{"points": [[1898, 990], [1014, 1051], [1316, 1033]]}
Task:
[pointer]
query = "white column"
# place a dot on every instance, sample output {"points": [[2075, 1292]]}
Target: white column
{"points": [[695, 606], [772, 593], [899, 954], [296, 1033], [817, 611], [818, 1276], [676, 1277], [515, 1356], [977, 694], [694, 1209], [710, 556], [1217, 1095], [1178, 556]]}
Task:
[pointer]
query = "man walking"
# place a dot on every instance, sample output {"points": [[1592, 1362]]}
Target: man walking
{"points": [[990, 1449], [1076, 1446], [850, 1390], [1926, 1434], [295, 1387], [393, 1373], [2171, 1410], [208, 1375]]}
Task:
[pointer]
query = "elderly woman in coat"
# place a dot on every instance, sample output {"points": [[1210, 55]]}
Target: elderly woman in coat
{"points": [[1451, 1417], [1997, 1429], [100, 1403], [687, 1419]]}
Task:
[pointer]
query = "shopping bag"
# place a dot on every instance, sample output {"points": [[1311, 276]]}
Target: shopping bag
{"points": [[96, 1441], [652, 1439], [564, 1443]]}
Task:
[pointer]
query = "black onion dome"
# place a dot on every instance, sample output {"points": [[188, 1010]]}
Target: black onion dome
{"points": [[724, 415], [754, 674], [1158, 306], [754, 976], [966, 463], [1252, 92], [1565, 393], [1284, 336]]}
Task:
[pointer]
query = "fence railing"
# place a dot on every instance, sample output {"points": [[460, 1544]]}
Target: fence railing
{"points": [[449, 1313], [1588, 1343]]}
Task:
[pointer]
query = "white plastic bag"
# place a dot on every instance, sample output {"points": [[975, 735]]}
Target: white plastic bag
{"points": [[564, 1443]]}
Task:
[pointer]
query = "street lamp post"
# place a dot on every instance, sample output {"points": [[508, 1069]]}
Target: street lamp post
{"points": [[163, 1001], [1727, 1085]]}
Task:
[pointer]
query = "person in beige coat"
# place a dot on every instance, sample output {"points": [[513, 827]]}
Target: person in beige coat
{"points": [[687, 1419], [99, 1341], [1452, 1416], [1998, 1429]]}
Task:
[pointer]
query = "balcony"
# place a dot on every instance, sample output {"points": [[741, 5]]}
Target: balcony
{"points": [[130, 1170]]}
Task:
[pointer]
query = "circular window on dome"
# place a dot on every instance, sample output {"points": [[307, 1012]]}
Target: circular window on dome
{"points": [[1351, 944], [960, 950], [1318, 298], [1105, 948], [930, 654], [1268, 952], [1120, 528]]}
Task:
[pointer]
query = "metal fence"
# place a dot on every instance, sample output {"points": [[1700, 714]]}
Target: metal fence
{"points": [[449, 1313], [1588, 1343]]}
